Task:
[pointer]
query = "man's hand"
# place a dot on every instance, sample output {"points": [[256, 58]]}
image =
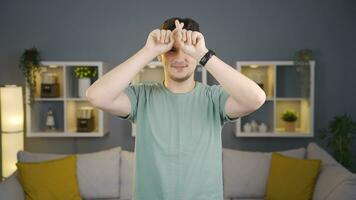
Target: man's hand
{"points": [[159, 41], [191, 42]]}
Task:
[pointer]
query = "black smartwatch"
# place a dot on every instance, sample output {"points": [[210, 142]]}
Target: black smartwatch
{"points": [[206, 57]]}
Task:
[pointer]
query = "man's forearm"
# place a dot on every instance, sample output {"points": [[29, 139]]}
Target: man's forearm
{"points": [[111, 84], [243, 90]]}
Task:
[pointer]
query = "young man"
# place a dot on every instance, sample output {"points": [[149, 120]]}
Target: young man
{"points": [[178, 152]]}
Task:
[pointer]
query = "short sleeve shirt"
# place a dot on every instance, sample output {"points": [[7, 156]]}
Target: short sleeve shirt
{"points": [[178, 151]]}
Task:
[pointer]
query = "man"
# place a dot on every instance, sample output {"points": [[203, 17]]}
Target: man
{"points": [[178, 151]]}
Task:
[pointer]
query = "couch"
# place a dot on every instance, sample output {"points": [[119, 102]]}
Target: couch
{"points": [[107, 174]]}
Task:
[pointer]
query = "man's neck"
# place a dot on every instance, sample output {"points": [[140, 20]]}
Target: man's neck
{"points": [[179, 87]]}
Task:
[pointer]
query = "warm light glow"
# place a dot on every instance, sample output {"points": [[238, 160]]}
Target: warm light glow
{"points": [[11, 144], [152, 66], [12, 119], [11, 108], [253, 66]]}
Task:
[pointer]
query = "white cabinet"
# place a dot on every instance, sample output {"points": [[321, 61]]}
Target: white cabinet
{"points": [[66, 104], [289, 88]]}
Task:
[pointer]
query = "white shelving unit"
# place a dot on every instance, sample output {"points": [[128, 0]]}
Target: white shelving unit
{"points": [[65, 106], [154, 71], [287, 87]]}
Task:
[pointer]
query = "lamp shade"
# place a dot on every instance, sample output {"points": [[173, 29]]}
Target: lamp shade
{"points": [[11, 144], [12, 114], [12, 125]]}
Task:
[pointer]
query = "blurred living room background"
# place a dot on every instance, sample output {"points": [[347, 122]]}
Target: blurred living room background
{"points": [[251, 36]]}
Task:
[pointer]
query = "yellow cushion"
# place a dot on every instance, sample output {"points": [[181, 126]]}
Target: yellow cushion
{"points": [[54, 179], [291, 178]]}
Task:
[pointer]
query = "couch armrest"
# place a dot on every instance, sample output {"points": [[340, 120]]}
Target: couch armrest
{"points": [[346, 190], [10, 188], [335, 183]]}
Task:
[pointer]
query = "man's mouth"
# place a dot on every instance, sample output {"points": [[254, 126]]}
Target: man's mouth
{"points": [[179, 66]]}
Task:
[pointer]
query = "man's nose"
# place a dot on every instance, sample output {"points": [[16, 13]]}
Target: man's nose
{"points": [[179, 52]]}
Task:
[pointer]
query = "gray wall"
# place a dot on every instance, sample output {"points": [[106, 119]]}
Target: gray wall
{"points": [[112, 31]]}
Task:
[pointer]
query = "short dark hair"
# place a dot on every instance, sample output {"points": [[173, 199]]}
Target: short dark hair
{"points": [[189, 24]]}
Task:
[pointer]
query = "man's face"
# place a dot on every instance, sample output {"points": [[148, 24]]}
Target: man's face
{"points": [[178, 66]]}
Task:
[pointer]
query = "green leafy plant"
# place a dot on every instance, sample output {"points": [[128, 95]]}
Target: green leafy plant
{"points": [[85, 72], [302, 57], [30, 64], [339, 134], [289, 116]]}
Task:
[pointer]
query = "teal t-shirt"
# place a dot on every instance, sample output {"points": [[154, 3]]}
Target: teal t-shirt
{"points": [[178, 151]]}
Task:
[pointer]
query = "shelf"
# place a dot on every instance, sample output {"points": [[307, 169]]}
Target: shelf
{"points": [[39, 112], [287, 87], [290, 99], [48, 99], [153, 72], [62, 134], [198, 74], [254, 134], [66, 105], [302, 108], [71, 116], [77, 99], [262, 115], [58, 70], [293, 81], [72, 80], [263, 75]]}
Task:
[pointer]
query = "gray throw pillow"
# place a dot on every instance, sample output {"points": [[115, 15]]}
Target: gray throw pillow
{"points": [[98, 172]]}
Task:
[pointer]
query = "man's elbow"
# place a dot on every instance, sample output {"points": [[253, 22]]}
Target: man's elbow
{"points": [[90, 97], [260, 99]]}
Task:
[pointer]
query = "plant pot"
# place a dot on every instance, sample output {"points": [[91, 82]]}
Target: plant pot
{"points": [[289, 126], [83, 85]]}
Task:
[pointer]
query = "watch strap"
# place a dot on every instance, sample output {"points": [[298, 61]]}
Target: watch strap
{"points": [[206, 57]]}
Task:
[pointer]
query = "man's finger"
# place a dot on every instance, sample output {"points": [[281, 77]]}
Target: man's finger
{"points": [[194, 37], [189, 37], [178, 33], [184, 33], [177, 23], [156, 34], [171, 39], [163, 35], [168, 36]]}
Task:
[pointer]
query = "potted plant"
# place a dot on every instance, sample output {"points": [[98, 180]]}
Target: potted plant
{"points": [[30, 64], [302, 57], [84, 74], [339, 134], [289, 117]]}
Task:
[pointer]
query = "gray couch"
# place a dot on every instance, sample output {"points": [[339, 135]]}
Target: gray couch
{"points": [[107, 174]]}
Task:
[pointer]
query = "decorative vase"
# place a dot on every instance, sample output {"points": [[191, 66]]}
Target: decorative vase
{"points": [[289, 126], [83, 85], [262, 128], [247, 128], [254, 126]]}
